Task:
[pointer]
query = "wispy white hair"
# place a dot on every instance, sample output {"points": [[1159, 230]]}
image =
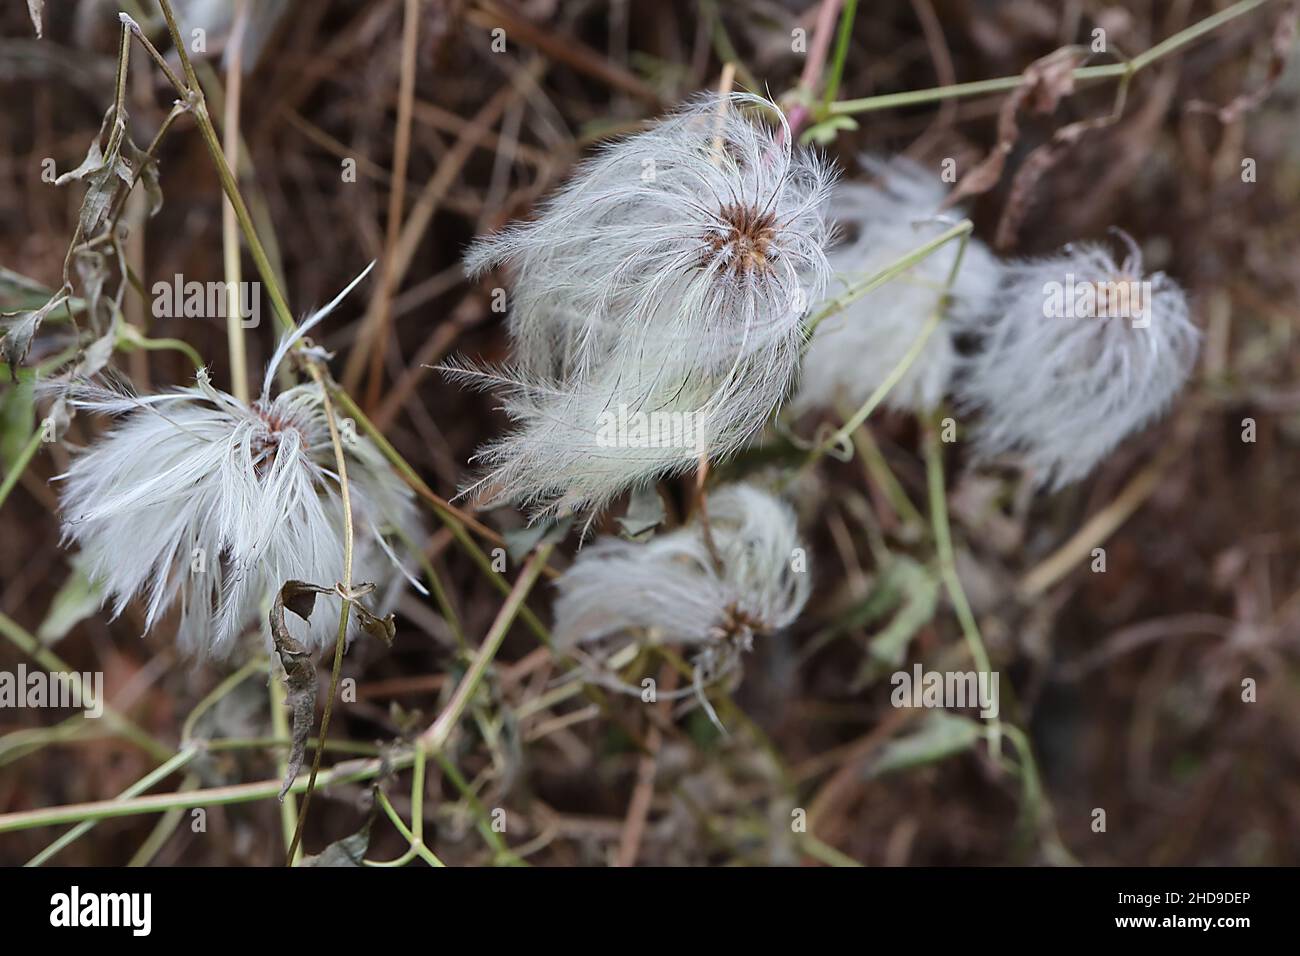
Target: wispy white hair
{"points": [[1064, 392], [676, 266], [853, 351], [669, 589], [200, 499], [567, 452]]}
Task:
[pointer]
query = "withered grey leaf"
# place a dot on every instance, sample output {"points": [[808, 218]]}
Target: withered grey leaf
{"points": [[101, 171], [146, 167], [384, 628], [346, 852], [645, 512], [36, 8], [299, 670], [100, 188], [17, 340], [92, 270], [59, 416], [97, 354]]}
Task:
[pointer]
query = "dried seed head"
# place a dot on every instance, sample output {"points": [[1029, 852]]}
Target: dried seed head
{"points": [[1075, 354], [670, 277], [670, 589], [200, 500], [855, 350]]}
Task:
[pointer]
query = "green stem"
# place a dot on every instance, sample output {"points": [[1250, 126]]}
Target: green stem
{"points": [[962, 231], [52, 662], [146, 782], [20, 464], [874, 461], [435, 738], [341, 464], [193, 93], [483, 822], [211, 797], [162, 830], [448, 517], [858, 289], [130, 336], [948, 565], [841, 51], [1083, 74], [417, 844]]}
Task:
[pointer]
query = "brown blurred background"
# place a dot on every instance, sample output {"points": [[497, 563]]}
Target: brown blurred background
{"points": [[1129, 682]]}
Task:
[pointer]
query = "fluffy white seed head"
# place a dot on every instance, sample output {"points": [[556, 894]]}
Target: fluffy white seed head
{"points": [[669, 589], [204, 500], [579, 443], [705, 229], [670, 276], [199, 499], [1075, 354], [853, 351]]}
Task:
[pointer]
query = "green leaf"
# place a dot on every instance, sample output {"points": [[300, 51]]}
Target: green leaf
{"points": [[17, 416], [825, 132], [77, 600], [909, 586], [941, 735]]}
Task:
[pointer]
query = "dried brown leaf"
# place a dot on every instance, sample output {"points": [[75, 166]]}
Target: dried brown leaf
{"points": [[1046, 81], [17, 340], [1281, 43], [299, 669]]}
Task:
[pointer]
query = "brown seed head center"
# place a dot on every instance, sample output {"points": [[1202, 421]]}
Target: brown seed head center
{"points": [[1118, 292], [265, 442], [748, 235]]}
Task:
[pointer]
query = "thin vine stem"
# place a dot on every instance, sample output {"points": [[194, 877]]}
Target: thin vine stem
{"points": [[843, 435], [341, 464], [1084, 74]]}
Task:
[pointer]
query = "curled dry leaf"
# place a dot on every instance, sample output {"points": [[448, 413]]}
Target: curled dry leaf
{"points": [[299, 670], [17, 340], [120, 159], [1037, 165], [349, 851], [645, 512], [384, 628], [1280, 46], [1046, 81]]}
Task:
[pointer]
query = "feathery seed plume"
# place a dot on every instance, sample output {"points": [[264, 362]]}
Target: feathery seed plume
{"points": [[200, 499], [669, 589], [670, 276], [855, 350], [1076, 353]]}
